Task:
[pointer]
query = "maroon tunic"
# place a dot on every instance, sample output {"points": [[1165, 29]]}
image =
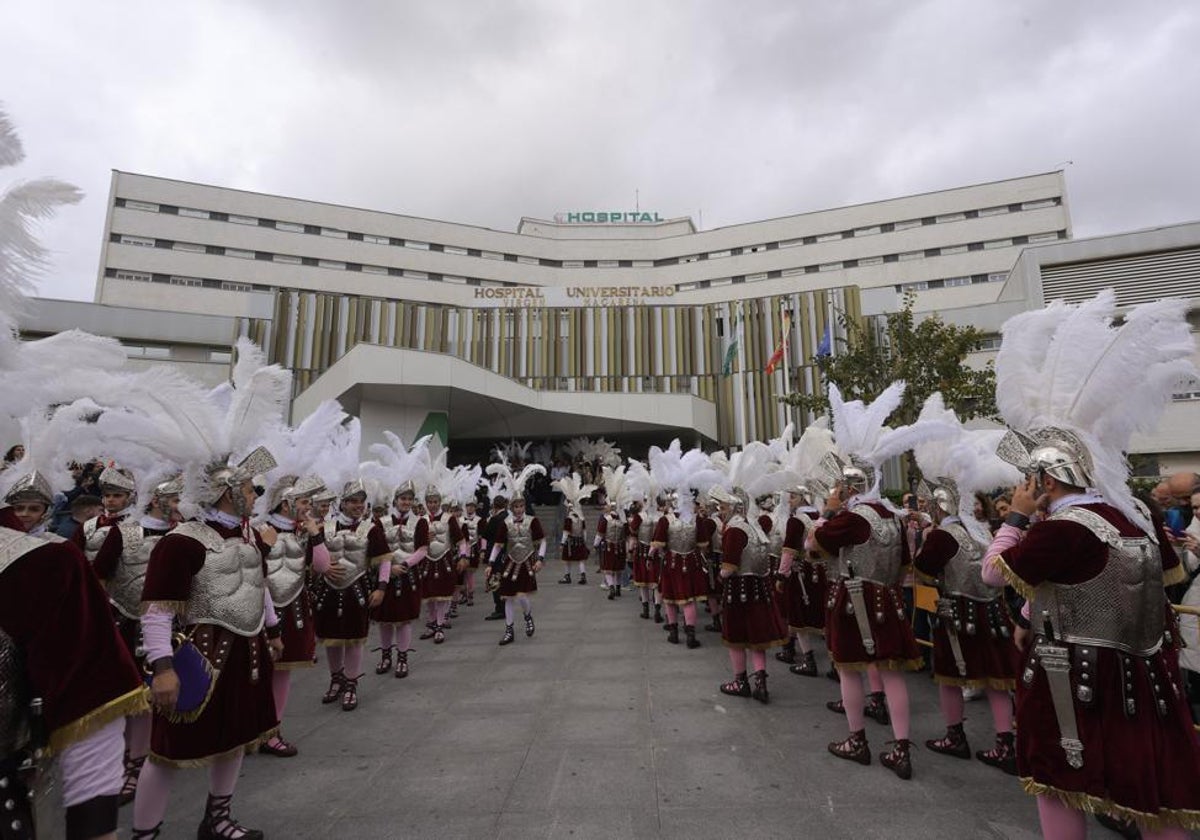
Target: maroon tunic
{"points": [[895, 647], [612, 558], [57, 614], [750, 619], [683, 577], [298, 629], [517, 577], [576, 549], [990, 658], [438, 577], [341, 614], [805, 590], [645, 568], [240, 712], [1143, 765]]}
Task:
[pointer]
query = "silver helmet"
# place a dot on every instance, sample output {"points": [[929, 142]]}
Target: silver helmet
{"points": [[31, 487], [942, 492], [405, 489], [735, 496], [353, 488], [305, 487], [858, 475], [171, 487], [117, 480], [223, 478], [1057, 452]]}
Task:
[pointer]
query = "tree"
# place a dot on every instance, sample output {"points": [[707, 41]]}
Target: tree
{"points": [[928, 356]]}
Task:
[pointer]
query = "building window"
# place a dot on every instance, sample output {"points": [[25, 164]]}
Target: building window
{"points": [[285, 259], [643, 264], [908, 224], [335, 264], [791, 243], [911, 255], [492, 255], [829, 237], [220, 357], [147, 351], [833, 266], [416, 246], [140, 241], [997, 243], [374, 269], [952, 282], [190, 247], [988, 342], [241, 254], [228, 286], [1039, 205], [997, 277], [534, 261], [455, 250], [1052, 236], [289, 227], [949, 217], [177, 280], [954, 249], [572, 263], [375, 239], [140, 276], [451, 278], [866, 231], [243, 220], [919, 286], [994, 211], [871, 261], [148, 206], [192, 213], [333, 233], [716, 255]]}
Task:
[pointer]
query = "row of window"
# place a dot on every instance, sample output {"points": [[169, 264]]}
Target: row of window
{"points": [[391, 271], [162, 352], [854, 233]]}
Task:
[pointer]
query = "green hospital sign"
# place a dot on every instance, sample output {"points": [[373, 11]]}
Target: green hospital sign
{"points": [[607, 217]]}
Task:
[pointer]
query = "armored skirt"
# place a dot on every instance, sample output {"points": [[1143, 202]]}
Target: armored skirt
{"points": [[805, 595], [612, 558], [298, 633], [341, 614], [518, 578], [438, 577], [646, 569], [984, 630], [895, 648], [401, 601], [240, 711], [749, 617], [684, 578], [575, 550]]}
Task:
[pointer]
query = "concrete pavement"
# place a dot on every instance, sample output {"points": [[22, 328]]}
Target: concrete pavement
{"points": [[597, 728]]}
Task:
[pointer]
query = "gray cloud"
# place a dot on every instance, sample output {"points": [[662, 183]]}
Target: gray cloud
{"points": [[482, 112]]}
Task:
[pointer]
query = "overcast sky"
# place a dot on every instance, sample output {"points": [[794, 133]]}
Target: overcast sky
{"points": [[728, 112]]}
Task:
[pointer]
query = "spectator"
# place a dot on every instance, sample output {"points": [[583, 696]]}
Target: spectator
{"points": [[83, 508], [14, 454]]}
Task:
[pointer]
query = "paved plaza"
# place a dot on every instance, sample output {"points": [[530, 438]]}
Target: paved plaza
{"points": [[597, 728]]}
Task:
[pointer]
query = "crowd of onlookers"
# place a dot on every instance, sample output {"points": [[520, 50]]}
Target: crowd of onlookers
{"points": [[77, 505]]}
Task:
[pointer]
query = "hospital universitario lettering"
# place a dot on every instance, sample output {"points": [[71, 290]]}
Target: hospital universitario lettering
{"points": [[534, 297], [607, 217]]}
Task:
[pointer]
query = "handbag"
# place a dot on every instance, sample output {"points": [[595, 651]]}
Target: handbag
{"points": [[196, 680]]}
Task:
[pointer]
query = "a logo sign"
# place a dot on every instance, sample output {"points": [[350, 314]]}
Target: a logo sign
{"points": [[607, 217]]}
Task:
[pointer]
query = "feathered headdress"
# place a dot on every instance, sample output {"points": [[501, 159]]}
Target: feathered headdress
{"points": [[396, 468], [573, 490], [962, 464], [1074, 388], [509, 485], [684, 472], [616, 488], [297, 450], [464, 484], [803, 462], [639, 484], [337, 464]]}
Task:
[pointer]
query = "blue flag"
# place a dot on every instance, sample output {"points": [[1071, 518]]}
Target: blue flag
{"points": [[825, 348]]}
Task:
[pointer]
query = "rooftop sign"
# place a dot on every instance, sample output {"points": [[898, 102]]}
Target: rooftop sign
{"points": [[536, 297], [607, 217]]}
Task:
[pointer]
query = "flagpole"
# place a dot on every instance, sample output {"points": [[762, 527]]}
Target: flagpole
{"points": [[741, 352], [786, 325]]}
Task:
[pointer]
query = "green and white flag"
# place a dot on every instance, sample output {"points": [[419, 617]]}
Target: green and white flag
{"points": [[731, 352]]}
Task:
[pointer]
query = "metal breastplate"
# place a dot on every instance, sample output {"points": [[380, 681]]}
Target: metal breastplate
{"points": [[520, 539], [403, 537], [439, 536], [470, 526], [14, 699], [878, 559], [1123, 607], [228, 589], [612, 531], [681, 536], [778, 532], [577, 525], [286, 568], [93, 537], [755, 560], [963, 574], [125, 586], [348, 548], [646, 529]]}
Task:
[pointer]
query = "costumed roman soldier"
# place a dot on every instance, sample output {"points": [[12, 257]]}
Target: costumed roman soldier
{"points": [[494, 562], [973, 630], [709, 535], [120, 563], [573, 545], [299, 547], [356, 545], [518, 550], [803, 584], [643, 519], [439, 559], [207, 573], [471, 523], [752, 623], [610, 542], [400, 603], [67, 682], [866, 626], [1102, 721], [117, 493]]}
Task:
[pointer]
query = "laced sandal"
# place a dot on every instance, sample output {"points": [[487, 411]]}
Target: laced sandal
{"points": [[565, 578], [760, 692], [806, 667], [428, 634], [658, 616], [219, 824], [1002, 756], [854, 748], [146, 833], [133, 768], [385, 661], [401, 664], [529, 628], [350, 695], [739, 686], [787, 654], [836, 706], [337, 684], [278, 747], [672, 633], [646, 611], [612, 593], [439, 636], [898, 758], [953, 743], [453, 613], [877, 709], [690, 632], [509, 636], [582, 579]]}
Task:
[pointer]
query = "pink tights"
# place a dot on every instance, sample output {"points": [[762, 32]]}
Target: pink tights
{"points": [[737, 658], [404, 637], [1062, 822], [608, 579], [137, 735], [890, 682], [154, 788], [346, 658], [335, 655], [437, 611], [689, 613], [281, 686], [387, 635], [952, 707], [469, 581]]}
